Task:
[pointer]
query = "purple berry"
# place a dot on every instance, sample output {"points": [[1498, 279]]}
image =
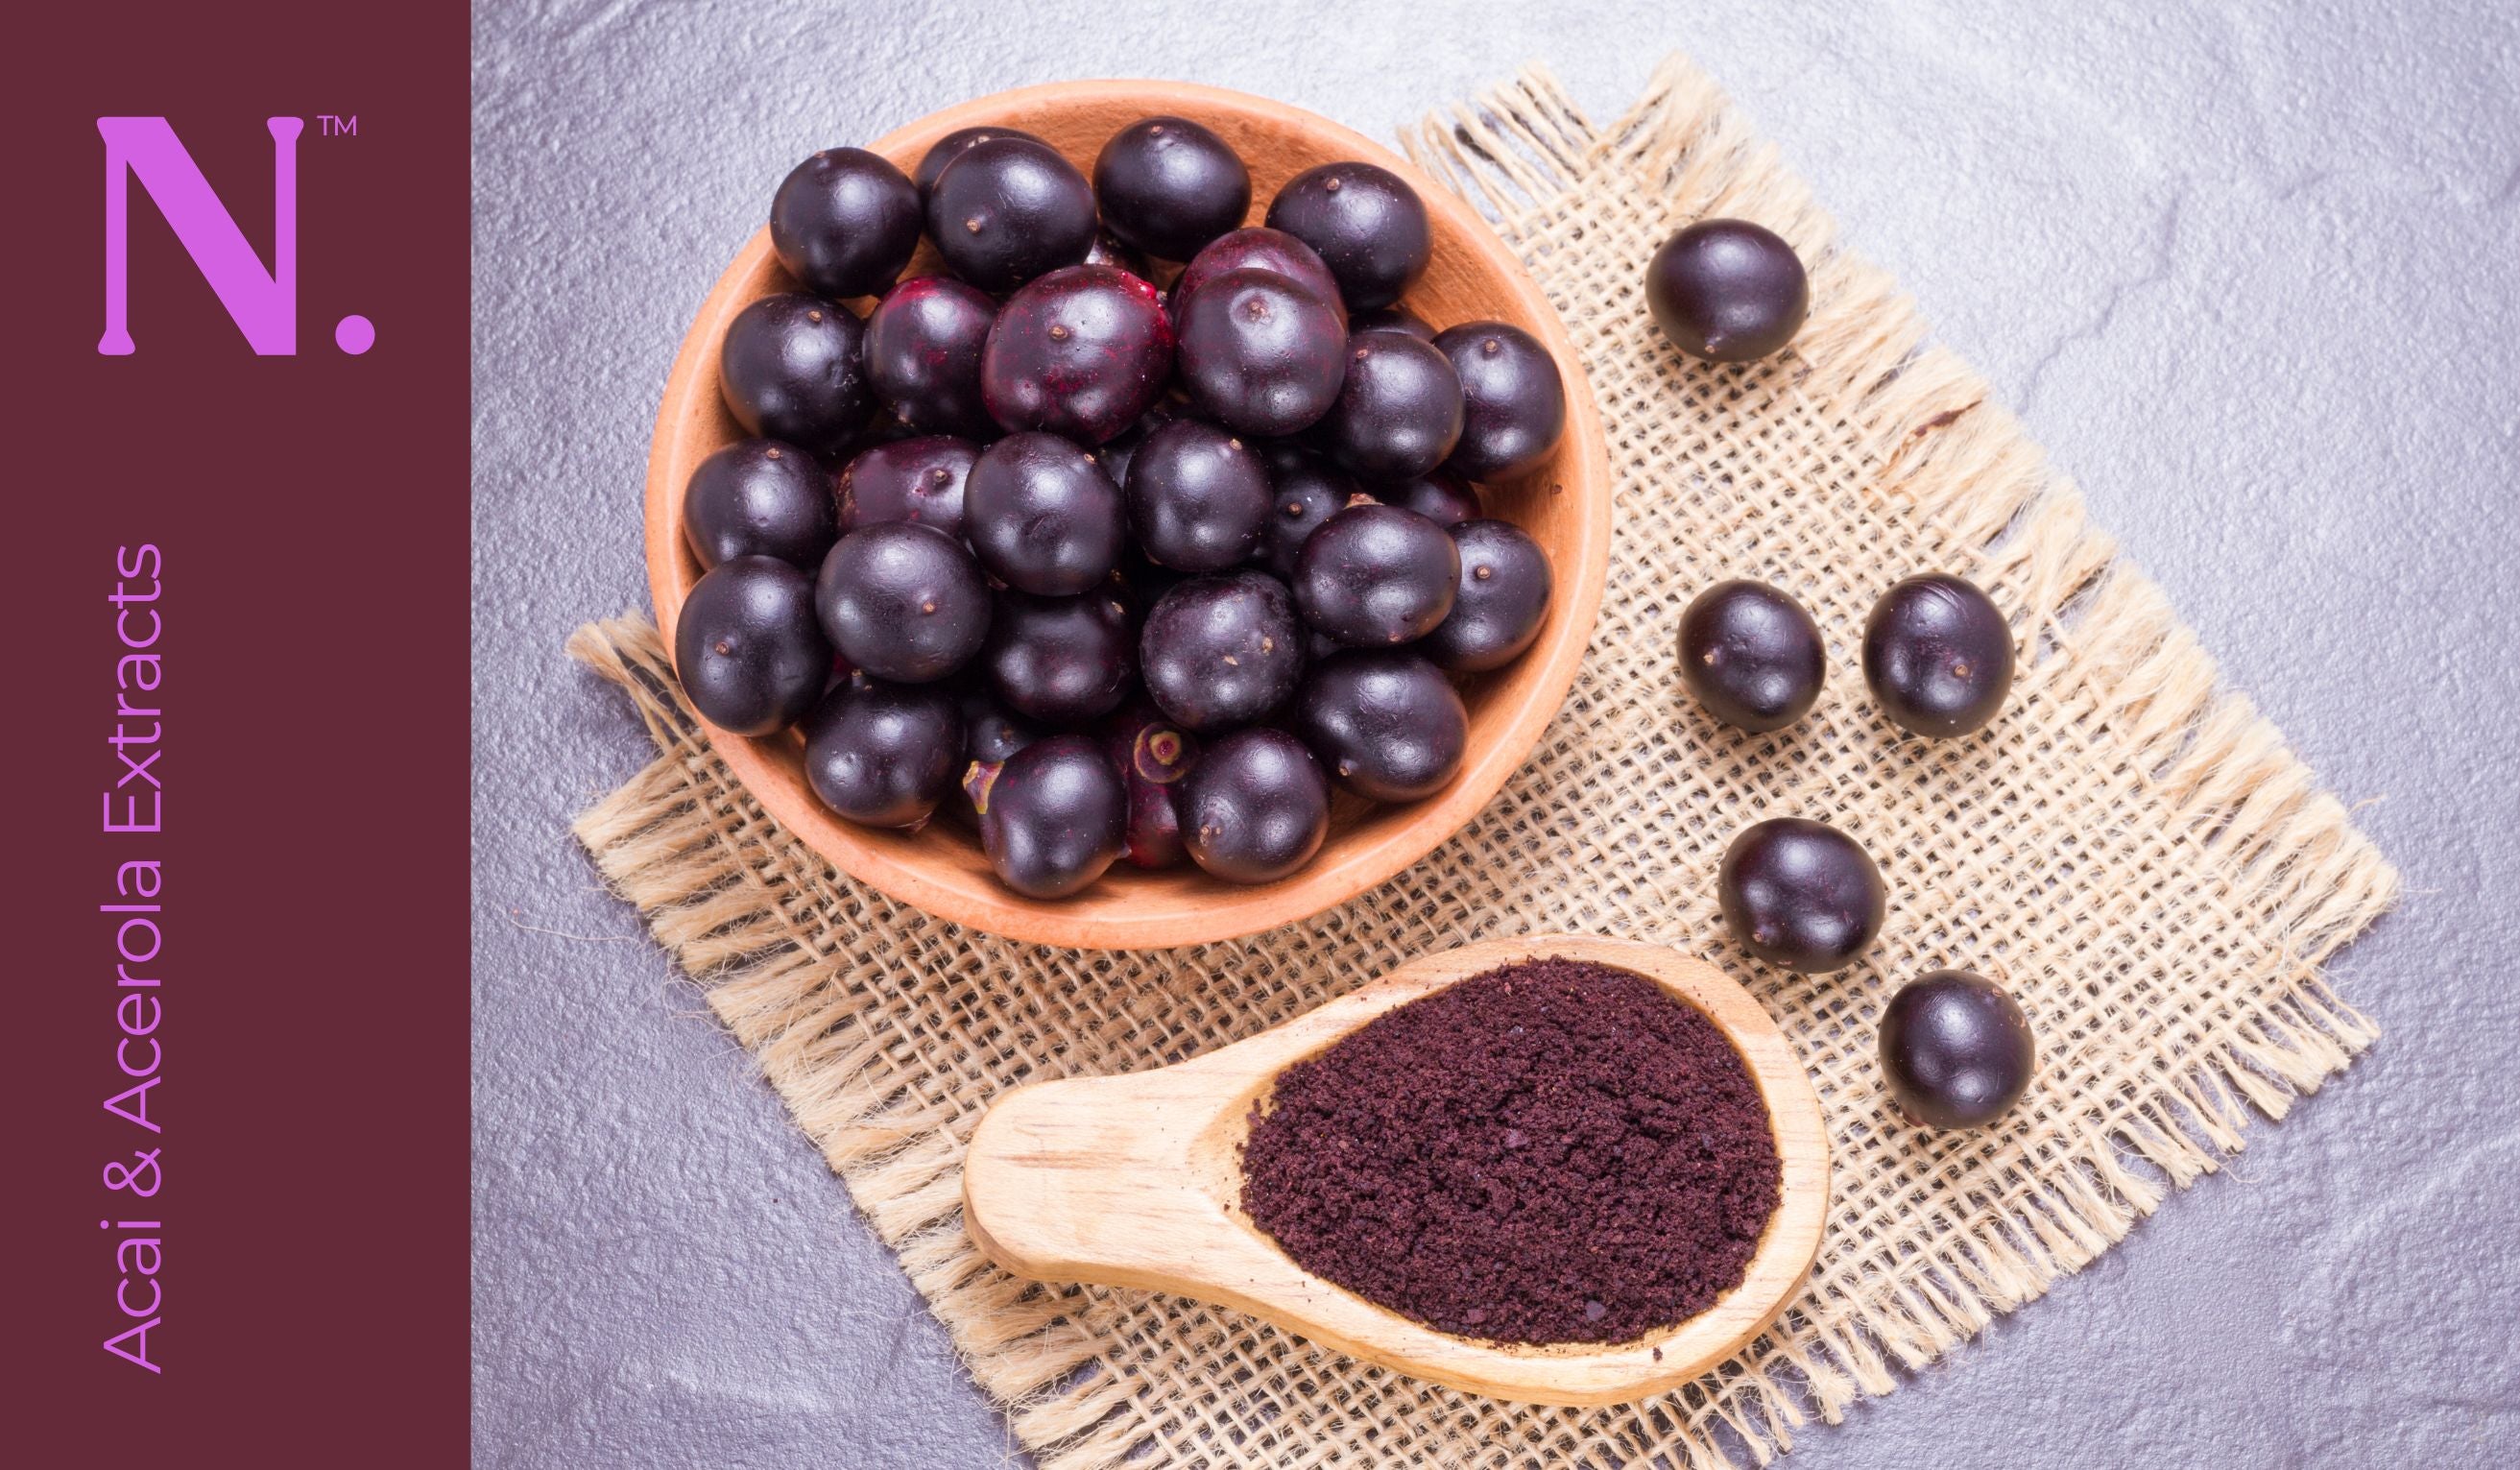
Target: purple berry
{"points": [[1007, 209], [1751, 655], [1386, 723], [923, 344], [1376, 574], [759, 497], [884, 755], [903, 602], [1169, 186], [918, 481], [1222, 651], [844, 223], [1399, 409], [1938, 655], [1437, 497], [1082, 352], [1054, 817], [1392, 319], [1956, 1050], [1043, 516], [1153, 755], [747, 647], [1198, 498], [1304, 491], [1800, 893], [1498, 601], [1260, 354], [1727, 291], [1257, 807], [1365, 222], [1514, 400], [1061, 659], [792, 368], [1256, 248], [953, 146]]}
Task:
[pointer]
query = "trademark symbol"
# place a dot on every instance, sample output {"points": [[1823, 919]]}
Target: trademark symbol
{"points": [[328, 125]]}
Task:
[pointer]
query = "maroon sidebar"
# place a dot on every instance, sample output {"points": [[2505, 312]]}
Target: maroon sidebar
{"points": [[237, 606]]}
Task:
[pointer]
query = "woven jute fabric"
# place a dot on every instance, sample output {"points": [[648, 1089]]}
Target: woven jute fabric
{"points": [[2128, 848]]}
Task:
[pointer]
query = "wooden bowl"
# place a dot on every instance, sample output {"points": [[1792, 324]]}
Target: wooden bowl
{"points": [[1565, 506], [1136, 1180]]}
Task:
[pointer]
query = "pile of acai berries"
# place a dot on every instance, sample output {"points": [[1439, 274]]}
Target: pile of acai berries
{"points": [[1107, 570]]}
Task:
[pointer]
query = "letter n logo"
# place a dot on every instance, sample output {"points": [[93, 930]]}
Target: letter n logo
{"points": [[263, 306]]}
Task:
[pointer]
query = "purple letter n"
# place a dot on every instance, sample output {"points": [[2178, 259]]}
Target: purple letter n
{"points": [[264, 308]]}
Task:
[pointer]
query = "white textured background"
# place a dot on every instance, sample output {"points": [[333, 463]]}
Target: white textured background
{"points": [[2254, 279]]}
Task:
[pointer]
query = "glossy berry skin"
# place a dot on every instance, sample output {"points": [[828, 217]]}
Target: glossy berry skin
{"points": [[792, 368], [903, 602], [1257, 248], [760, 497], [1009, 210], [884, 755], [1938, 655], [1753, 656], [1956, 1050], [1198, 498], [1257, 807], [923, 344], [1365, 222], [1054, 817], [1376, 574], [844, 223], [1727, 291], [1800, 893], [1386, 723], [1082, 352], [953, 146], [1222, 651], [1392, 319], [1153, 755], [1260, 354], [1500, 601], [1514, 400], [1438, 496], [747, 647], [1168, 186], [1399, 408], [1043, 516], [1062, 661], [1304, 491], [917, 480]]}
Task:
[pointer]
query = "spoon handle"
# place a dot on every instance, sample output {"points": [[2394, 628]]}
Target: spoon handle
{"points": [[1097, 1179]]}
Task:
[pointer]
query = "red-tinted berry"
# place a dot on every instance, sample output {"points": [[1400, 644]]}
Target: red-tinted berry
{"points": [[1082, 352], [923, 344]]}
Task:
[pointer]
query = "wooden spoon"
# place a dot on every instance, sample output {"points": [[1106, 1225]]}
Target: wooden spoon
{"points": [[1136, 1180]]}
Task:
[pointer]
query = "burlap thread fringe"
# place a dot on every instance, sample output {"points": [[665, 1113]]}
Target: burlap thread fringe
{"points": [[2135, 850]]}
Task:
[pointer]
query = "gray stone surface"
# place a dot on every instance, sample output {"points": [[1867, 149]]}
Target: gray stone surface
{"points": [[2250, 275]]}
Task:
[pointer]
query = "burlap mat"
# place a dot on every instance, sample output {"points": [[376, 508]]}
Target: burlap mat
{"points": [[2136, 854]]}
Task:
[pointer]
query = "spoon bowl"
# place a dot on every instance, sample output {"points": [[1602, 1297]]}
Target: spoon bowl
{"points": [[1136, 1180]]}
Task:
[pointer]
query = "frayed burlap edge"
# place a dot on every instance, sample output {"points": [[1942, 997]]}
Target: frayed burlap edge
{"points": [[794, 958]]}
